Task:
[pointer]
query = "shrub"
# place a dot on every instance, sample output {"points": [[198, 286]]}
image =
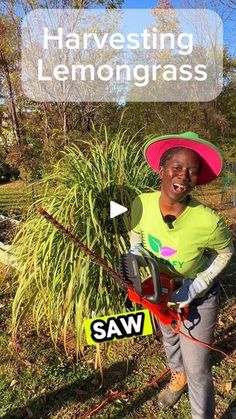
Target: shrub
{"points": [[24, 158], [6, 171], [58, 283]]}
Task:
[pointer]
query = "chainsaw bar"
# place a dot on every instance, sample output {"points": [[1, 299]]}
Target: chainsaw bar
{"points": [[126, 285]]}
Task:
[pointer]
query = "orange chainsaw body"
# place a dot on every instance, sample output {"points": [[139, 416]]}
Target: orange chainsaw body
{"points": [[165, 314]]}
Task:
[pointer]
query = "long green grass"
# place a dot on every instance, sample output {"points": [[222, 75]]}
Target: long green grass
{"points": [[57, 284]]}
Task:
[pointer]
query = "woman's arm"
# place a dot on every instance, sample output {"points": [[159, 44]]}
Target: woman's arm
{"points": [[192, 288], [135, 239], [136, 247]]}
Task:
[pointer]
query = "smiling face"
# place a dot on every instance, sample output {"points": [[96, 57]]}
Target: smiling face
{"points": [[179, 174]]}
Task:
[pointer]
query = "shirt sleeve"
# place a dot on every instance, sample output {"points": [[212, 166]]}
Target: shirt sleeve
{"points": [[220, 237], [135, 239], [136, 214]]}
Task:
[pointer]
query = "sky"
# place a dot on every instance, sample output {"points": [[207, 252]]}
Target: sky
{"points": [[229, 26], [139, 4]]}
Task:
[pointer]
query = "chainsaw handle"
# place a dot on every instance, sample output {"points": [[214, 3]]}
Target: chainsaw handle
{"points": [[156, 296]]}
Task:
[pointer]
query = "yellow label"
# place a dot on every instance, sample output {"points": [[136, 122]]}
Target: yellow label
{"points": [[117, 327]]}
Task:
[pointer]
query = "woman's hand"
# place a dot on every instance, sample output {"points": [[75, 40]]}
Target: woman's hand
{"points": [[193, 288], [184, 295]]}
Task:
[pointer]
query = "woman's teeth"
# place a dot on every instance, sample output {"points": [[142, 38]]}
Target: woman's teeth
{"points": [[179, 188]]}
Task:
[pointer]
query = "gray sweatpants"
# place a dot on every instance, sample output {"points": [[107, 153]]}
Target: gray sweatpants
{"points": [[185, 355]]}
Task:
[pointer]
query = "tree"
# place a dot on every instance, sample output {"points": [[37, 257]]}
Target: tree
{"points": [[9, 71], [227, 99]]}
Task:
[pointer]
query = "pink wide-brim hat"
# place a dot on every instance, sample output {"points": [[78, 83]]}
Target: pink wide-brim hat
{"points": [[212, 161]]}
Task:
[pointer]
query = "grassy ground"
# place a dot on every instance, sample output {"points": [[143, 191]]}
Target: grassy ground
{"points": [[42, 382], [17, 185], [15, 197]]}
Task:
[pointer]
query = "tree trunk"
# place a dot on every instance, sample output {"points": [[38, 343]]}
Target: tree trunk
{"points": [[65, 123], [46, 126], [15, 122]]}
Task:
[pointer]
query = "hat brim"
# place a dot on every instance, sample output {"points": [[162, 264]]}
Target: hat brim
{"points": [[212, 161]]}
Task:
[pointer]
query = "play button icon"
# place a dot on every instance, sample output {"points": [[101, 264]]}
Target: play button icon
{"points": [[112, 209], [116, 209]]}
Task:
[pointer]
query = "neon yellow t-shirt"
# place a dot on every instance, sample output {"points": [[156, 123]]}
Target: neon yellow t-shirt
{"points": [[180, 251]]}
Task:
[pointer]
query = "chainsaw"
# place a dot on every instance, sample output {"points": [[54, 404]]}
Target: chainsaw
{"points": [[153, 293]]}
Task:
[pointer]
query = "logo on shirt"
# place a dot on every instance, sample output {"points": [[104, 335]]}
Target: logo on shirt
{"points": [[157, 247]]}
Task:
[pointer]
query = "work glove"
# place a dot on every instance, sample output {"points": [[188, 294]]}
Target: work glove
{"points": [[190, 290], [193, 288]]}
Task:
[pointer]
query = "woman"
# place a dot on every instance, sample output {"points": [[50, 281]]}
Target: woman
{"points": [[179, 230]]}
